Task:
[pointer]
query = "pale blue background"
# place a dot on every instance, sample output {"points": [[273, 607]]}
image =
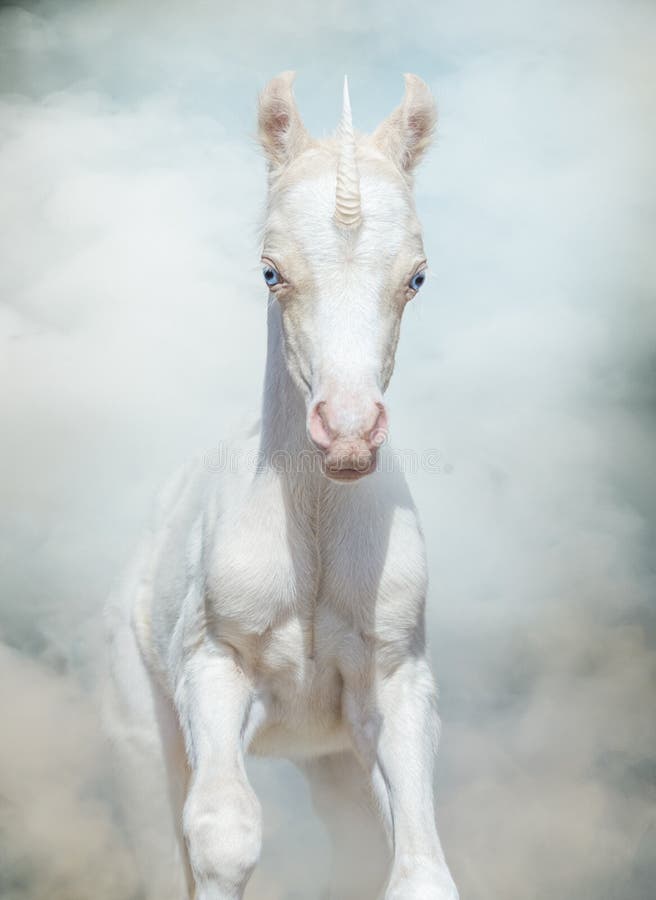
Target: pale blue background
{"points": [[132, 319]]}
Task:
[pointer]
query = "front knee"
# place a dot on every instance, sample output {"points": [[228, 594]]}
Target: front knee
{"points": [[223, 830]]}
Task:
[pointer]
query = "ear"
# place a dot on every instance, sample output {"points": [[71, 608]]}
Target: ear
{"points": [[406, 135], [281, 131]]}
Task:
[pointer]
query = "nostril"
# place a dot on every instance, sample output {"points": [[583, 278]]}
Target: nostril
{"points": [[318, 428], [378, 433]]}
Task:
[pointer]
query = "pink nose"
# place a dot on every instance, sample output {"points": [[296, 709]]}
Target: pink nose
{"points": [[348, 452]]}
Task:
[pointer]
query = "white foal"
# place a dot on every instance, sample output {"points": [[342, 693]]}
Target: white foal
{"points": [[278, 606]]}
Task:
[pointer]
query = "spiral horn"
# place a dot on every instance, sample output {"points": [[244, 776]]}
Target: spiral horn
{"points": [[348, 213]]}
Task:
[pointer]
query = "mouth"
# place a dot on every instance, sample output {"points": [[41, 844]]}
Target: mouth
{"points": [[346, 474]]}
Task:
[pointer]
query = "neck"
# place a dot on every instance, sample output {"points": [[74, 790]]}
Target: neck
{"points": [[283, 437]]}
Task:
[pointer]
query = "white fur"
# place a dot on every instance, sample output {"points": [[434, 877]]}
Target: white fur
{"points": [[279, 612]]}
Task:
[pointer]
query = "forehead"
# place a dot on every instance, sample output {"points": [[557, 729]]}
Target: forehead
{"points": [[301, 214]]}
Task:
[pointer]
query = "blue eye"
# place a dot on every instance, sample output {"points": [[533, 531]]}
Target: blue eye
{"points": [[271, 276], [417, 280]]}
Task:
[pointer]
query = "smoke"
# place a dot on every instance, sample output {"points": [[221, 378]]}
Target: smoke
{"points": [[57, 836], [132, 318]]}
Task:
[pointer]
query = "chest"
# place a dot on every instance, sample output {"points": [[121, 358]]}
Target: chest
{"points": [[303, 606]]}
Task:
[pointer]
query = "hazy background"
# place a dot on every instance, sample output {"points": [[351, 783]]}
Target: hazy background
{"points": [[132, 317]]}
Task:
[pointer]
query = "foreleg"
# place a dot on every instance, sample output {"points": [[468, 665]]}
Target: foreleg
{"points": [[343, 799], [395, 726], [222, 818]]}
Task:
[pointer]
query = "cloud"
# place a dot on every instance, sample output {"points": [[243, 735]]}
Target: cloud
{"points": [[57, 831], [132, 318]]}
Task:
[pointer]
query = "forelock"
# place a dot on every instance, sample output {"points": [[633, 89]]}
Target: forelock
{"points": [[302, 198]]}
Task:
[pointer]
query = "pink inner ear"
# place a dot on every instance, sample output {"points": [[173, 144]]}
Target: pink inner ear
{"points": [[418, 123], [276, 119]]}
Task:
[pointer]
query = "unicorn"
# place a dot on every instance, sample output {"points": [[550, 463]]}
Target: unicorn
{"points": [[277, 606]]}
